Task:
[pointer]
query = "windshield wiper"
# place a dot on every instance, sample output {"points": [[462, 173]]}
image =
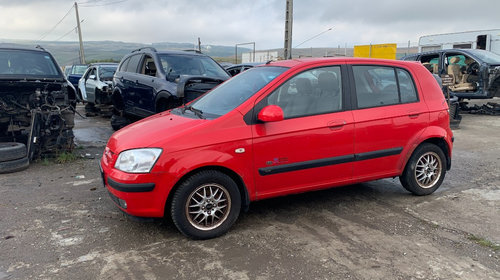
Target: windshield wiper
{"points": [[197, 112]]}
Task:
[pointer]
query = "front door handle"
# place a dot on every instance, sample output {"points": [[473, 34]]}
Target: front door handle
{"points": [[336, 124]]}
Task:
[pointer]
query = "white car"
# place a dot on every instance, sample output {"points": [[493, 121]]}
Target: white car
{"points": [[96, 85]]}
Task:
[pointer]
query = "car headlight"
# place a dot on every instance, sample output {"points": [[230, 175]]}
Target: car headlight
{"points": [[138, 160]]}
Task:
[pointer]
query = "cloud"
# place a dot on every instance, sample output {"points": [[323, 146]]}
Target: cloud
{"points": [[227, 22]]}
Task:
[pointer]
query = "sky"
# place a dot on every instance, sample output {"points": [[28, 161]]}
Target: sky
{"points": [[229, 22]]}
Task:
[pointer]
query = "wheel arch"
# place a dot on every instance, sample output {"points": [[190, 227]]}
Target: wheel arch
{"points": [[438, 141], [164, 96], [245, 198], [117, 99]]}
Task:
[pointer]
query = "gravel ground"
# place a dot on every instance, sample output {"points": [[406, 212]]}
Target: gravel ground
{"points": [[57, 222]]}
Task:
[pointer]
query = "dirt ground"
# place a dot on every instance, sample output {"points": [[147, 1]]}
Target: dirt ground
{"points": [[58, 222]]}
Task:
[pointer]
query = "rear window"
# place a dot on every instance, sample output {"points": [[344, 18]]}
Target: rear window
{"points": [[27, 63], [79, 69]]}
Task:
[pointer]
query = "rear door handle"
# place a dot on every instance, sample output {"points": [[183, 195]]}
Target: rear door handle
{"points": [[413, 114], [336, 124]]}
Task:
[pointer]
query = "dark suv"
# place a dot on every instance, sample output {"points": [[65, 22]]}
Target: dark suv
{"points": [[36, 107], [475, 73], [149, 81]]}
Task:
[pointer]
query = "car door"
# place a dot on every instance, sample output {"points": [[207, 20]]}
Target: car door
{"points": [[90, 84], [313, 146], [145, 85], [81, 85], [128, 80], [388, 118]]}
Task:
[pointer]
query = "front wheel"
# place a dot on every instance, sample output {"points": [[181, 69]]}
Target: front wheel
{"points": [[425, 170], [206, 205]]}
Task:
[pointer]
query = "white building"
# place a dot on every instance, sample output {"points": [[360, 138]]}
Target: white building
{"points": [[259, 56], [483, 39]]}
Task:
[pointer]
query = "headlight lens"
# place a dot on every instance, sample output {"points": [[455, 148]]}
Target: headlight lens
{"points": [[138, 160]]}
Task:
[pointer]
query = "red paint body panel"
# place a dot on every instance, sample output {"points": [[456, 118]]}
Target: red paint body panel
{"points": [[249, 149]]}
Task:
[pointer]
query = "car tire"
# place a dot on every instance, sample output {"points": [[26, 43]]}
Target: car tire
{"points": [[215, 203], [12, 151], [118, 122], [14, 165], [425, 170]]}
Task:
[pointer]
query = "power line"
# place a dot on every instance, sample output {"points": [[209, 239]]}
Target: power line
{"points": [[72, 29], [315, 36], [45, 35], [88, 5]]}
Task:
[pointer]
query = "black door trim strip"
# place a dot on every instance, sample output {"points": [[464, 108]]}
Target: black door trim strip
{"points": [[328, 161]]}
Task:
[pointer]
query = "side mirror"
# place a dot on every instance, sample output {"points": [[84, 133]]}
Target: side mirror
{"points": [[271, 113], [92, 77]]}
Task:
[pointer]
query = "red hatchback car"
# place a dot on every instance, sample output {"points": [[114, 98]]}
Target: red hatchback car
{"points": [[281, 128]]}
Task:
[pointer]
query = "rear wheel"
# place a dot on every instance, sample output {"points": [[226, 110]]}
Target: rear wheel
{"points": [[206, 205], [425, 171]]}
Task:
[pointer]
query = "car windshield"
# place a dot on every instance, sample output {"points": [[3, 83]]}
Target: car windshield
{"points": [[235, 91], [27, 63], [106, 73], [79, 69], [486, 56], [175, 65]]}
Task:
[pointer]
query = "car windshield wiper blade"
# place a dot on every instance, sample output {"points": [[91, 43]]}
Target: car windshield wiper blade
{"points": [[197, 112]]}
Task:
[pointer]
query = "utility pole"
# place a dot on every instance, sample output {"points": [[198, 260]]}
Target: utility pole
{"points": [[199, 44], [82, 54], [288, 29]]}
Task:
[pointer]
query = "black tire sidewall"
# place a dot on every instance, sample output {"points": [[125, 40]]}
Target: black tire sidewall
{"points": [[181, 195], [408, 179], [11, 151]]}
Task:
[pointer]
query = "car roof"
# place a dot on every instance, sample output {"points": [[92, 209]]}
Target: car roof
{"points": [[104, 64], [38, 49], [246, 64], [311, 61], [179, 52]]}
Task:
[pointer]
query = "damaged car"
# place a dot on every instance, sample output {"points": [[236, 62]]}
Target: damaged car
{"points": [[96, 87], [36, 107], [475, 73], [148, 81]]}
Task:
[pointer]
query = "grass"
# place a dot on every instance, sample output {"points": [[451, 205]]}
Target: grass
{"points": [[65, 157], [484, 242]]}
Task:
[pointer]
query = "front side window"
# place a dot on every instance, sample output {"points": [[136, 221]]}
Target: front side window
{"points": [[312, 92], [235, 91], [106, 73], [382, 85], [27, 63]]}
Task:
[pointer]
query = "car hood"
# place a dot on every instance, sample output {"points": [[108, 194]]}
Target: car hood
{"points": [[155, 131]]}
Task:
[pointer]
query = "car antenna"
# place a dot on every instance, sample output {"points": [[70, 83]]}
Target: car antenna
{"points": [[269, 62]]}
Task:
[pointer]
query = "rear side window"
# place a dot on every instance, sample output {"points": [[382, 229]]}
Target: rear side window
{"points": [[382, 85], [123, 66], [406, 87], [133, 63]]}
